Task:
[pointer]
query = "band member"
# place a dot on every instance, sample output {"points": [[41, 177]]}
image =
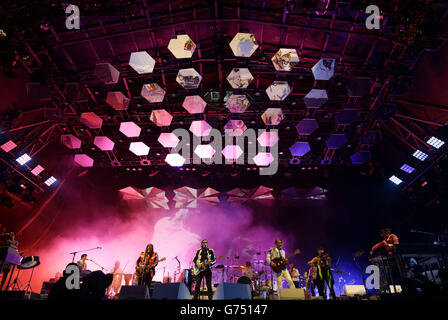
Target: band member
{"points": [[389, 242], [82, 263], [204, 259], [278, 252], [249, 271], [148, 262], [324, 274], [311, 280], [294, 275], [10, 242], [114, 288]]}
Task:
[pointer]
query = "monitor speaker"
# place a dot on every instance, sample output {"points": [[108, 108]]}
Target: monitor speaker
{"points": [[292, 294], [171, 291], [134, 293], [229, 291], [354, 290]]}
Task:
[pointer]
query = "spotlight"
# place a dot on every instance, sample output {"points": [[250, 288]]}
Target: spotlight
{"points": [[50, 181], [424, 184], [8, 146], [395, 180], [434, 142], [407, 169], [420, 155], [37, 170], [23, 159]]}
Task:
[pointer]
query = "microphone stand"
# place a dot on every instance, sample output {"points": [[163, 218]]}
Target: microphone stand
{"points": [[85, 250], [102, 269]]}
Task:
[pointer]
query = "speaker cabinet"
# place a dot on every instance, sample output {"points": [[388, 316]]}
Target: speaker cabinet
{"points": [[229, 291], [292, 294], [134, 293], [354, 290], [171, 291]]}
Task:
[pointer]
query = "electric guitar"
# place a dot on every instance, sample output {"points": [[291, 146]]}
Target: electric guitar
{"points": [[140, 270], [279, 263], [206, 264]]}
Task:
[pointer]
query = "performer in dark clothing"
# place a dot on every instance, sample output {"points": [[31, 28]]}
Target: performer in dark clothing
{"points": [[146, 266], [324, 275], [203, 260]]}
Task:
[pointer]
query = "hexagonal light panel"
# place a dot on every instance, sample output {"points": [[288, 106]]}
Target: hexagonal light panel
{"points": [[188, 78], [200, 128], [194, 104], [232, 152], [316, 98], [243, 44], [285, 59], [142, 62], [237, 103], [107, 73], [278, 90], [204, 151], [117, 100], [268, 138], [83, 160], [130, 129], [175, 160], [336, 141], [299, 149], [153, 93], [181, 46], [263, 159], [70, 141], [104, 143], [234, 128], [361, 157], [240, 78], [324, 69], [168, 139], [91, 120], [272, 116], [161, 117], [307, 126], [139, 148], [347, 116]]}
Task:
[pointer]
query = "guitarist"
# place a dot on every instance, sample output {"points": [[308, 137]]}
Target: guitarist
{"points": [[203, 260], [273, 255], [148, 262]]}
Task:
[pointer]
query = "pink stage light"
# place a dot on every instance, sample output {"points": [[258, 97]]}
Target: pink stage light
{"points": [[70, 141], [139, 148], [37, 170], [263, 159], [130, 129], [194, 104], [50, 181], [175, 160], [83, 160], [91, 120], [268, 138], [204, 151], [8, 146], [161, 117], [23, 159], [232, 152], [104, 143], [235, 127], [200, 128], [168, 139]]}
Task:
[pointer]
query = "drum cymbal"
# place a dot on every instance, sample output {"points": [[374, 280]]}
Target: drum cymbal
{"points": [[220, 266], [238, 267], [358, 253], [258, 261]]}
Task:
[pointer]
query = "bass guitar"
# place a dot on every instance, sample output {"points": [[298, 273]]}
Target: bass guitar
{"points": [[279, 263]]}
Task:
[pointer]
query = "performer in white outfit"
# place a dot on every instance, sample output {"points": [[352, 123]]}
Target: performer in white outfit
{"points": [[278, 252]]}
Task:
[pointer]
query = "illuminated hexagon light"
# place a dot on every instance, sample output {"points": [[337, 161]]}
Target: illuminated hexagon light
{"points": [[232, 152], [300, 148], [234, 128], [316, 98], [117, 100], [194, 104], [175, 160], [200, 128], [107, 73], [243, 44], [161, 117], [181, 46], [307, 126], [153, 93], [104, 143], [168, 139], [272, 116], [263, 159], [70, 141], [142, 62], [285, 59], [188, 78], [336, 141], [139, 148], [204, 151], [83, 160], [91, 120], [130, 129], [240, 78], [278, 90], [268, 138], [324, 69], [237, 103]]}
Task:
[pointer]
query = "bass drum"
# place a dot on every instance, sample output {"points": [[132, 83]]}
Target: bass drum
{"points": [[244, 280]]}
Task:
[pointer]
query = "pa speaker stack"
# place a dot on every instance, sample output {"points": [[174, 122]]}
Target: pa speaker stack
{"points": [[171, 291], [292, 294], [134, 293], [229, 291]]}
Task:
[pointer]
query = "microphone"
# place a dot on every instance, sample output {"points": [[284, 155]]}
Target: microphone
{"points": [[99, 247]]}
